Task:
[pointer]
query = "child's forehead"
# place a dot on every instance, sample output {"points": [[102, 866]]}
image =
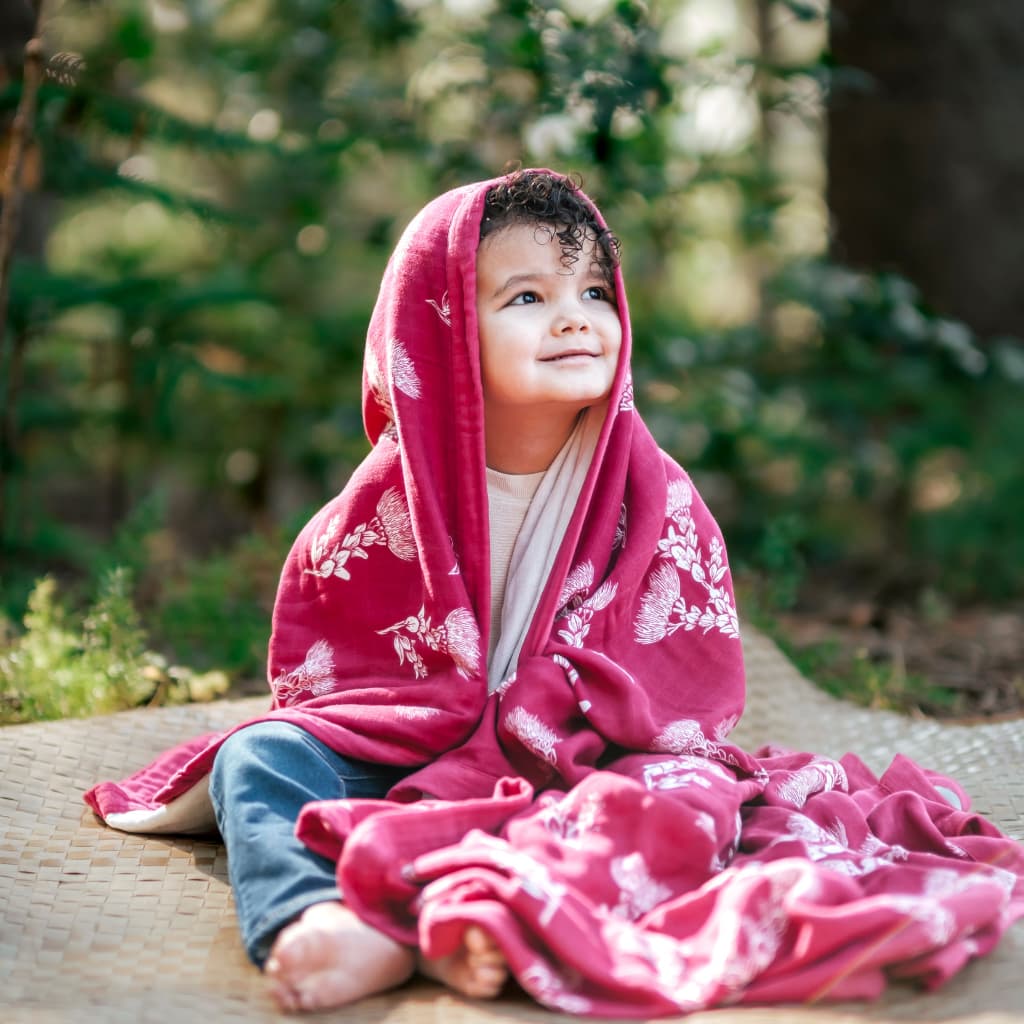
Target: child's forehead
{"points": [[535, 242]]}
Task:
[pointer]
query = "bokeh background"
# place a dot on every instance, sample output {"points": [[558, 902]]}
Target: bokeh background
{"points": [[820, 211]]}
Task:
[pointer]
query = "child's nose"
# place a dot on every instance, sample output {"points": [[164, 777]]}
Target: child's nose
{"points": [[571, 320]]}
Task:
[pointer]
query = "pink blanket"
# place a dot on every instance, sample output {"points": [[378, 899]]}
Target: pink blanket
{"points": [[590, 812], [669, 884]]}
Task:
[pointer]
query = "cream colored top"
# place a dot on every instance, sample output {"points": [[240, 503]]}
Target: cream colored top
{"points": [[535, 543], [508, 500]]}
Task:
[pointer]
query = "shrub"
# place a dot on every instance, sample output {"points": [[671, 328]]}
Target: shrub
{"points": [[67, 665]]}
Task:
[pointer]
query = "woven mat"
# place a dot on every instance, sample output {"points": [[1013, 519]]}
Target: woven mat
{"points": [[98, 926]]}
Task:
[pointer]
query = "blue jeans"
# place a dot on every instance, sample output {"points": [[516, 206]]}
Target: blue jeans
{"points": [[262, 777]]}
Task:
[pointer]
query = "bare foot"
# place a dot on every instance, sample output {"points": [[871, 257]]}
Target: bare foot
{"points": [[328, 957], [477, 969]]}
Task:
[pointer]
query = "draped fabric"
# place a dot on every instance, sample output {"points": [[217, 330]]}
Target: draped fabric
{"points": [[671, 884], [590, 811], [380, 625]]}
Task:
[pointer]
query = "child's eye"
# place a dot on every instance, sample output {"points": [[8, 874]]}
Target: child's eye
{"points": [[525, 299], [597, 293]]}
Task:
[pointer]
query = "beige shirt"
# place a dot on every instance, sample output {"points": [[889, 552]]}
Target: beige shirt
{"points": [[536, 541], [508, 500]]}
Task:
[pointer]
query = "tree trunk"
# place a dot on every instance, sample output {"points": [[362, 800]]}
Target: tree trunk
{"points": [[19, 23], [926, 158]]}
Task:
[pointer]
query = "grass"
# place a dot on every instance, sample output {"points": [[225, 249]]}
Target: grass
{"points": [[65, 663], [848, 672]]}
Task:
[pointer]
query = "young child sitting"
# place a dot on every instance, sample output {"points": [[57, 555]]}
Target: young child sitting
{"points": [[516, 623], [548, 336]]}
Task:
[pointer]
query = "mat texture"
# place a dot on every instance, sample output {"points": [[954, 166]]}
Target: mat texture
{"points": [[99, 926]]}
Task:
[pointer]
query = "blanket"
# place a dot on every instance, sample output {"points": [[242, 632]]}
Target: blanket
{"points": [[590, 811]]}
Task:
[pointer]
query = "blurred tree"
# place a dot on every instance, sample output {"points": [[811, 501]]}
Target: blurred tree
{"points": [[232, 175], [926, 159], [22, 207]]}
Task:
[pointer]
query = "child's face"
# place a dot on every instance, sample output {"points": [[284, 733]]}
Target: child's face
{"points": [[549, 335]]}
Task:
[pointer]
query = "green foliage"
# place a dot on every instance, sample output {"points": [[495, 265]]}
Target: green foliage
{"points": [[853, 675], [845, 671], [218, 609], [231, 181], [66, 665], [779, 559], [62, 669], [865, 431], [224, 184]]}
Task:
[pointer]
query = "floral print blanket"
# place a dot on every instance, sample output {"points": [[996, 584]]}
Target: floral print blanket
{"points": [[590, 812]]}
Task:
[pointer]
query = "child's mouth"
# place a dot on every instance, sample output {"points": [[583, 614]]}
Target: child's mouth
{"points": [[565, 356]]}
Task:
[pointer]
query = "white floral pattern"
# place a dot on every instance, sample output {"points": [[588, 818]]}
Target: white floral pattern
{"points": [[685, 736], [572, 824], [662, 608], [626, 403], [640, 950], [620, 529], [391, 527], [403, 372], [570, 670], [380, 393], [414, 713], [926, 909], [550, 990], [530, 874], [939, 923], [576, 585], [639, 891], [747, 944], [681, 772], [817, 777], [725, 726], [533, 733], [505, 685], [578, 611], [830, 847], [456, 569], [458, 637], [313, 678], [442, 308]]}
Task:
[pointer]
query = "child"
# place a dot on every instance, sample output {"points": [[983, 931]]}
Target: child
{"points": [[516, 622]]}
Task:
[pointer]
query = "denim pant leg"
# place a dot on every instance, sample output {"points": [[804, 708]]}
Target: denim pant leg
{"points": [[262, 777]]}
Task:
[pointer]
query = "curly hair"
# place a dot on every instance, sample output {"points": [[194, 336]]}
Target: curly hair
{"points": [[543, 198]]}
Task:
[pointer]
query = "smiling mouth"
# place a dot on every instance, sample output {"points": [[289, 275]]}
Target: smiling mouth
{"points": [[575, 354]]}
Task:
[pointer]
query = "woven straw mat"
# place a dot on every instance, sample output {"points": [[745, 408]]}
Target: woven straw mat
{"points": [[96, 925]]}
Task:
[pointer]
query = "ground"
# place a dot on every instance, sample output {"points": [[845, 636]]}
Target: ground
{"points": [[930, 657]]}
